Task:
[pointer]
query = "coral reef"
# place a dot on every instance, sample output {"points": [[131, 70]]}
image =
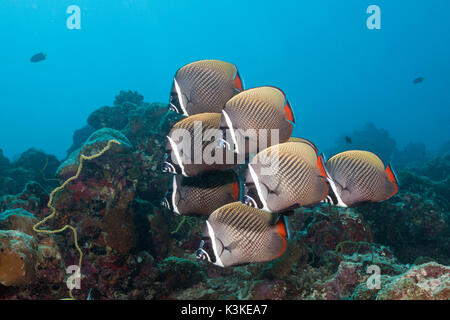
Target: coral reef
{"points": [[17, 258], [429, 281], [133, 248], [128, 97], [32, 165], [79, 137], [416, 222]]}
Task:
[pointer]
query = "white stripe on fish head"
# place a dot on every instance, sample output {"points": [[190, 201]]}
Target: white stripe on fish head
{"points": [[180, 98], [258, 188], [214, 244], [340, 203], [233, 133], [177, 154]]}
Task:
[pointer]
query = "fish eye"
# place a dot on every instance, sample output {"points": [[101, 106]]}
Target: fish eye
{"points": [[201, 254], [205, 251], [251, 198], [248, 201], [168, 167], [174, 102]]}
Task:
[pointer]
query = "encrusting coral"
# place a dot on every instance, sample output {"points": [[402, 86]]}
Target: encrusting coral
{"points": [[53, 209], [17, 258]]}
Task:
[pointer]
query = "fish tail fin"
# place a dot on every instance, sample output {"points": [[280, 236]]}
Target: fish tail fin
{"points": [[288, 111], [236, 191], [238, 186], [282, 227], [321, 165], [392, 177], [280, 237], [238, 82]]}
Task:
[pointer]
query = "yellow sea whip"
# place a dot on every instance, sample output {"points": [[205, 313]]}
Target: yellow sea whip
{"points": [[53, 209]]}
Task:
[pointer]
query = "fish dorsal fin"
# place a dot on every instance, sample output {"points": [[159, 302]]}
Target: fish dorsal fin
{"points": [[366, 156], [208, 121], [274, 96], [226, 69], [303, 150], [302, 140], [287, 108]]}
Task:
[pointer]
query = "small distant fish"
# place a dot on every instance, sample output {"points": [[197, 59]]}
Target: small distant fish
{"points": [[359, 177], [180, 153], [202, 195], [38, 57], [348, 139], [237, 234], [293, 177], [204, 86], [418, 80], [253, 110]]}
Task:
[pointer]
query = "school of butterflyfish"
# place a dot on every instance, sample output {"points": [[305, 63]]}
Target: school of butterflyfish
{"points": [[251, 129]]}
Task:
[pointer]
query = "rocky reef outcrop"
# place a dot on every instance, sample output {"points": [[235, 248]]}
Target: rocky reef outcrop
{"points": [[32, 165], [133, 248]]}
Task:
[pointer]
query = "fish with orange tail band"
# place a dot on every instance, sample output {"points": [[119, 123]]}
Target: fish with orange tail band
{"points": [[359, 177], [191, 147], [284, 177], [255, 119], [204, 86], [201, 196], [236, 234]]}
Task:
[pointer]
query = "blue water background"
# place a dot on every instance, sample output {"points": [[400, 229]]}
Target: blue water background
{"points": [[337, 73]]}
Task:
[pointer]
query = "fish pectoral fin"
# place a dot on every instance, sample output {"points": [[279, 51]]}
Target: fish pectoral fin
{"points": [[233, 245]]}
